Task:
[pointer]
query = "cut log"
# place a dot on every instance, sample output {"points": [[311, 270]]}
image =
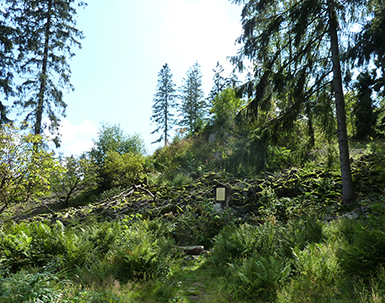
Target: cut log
{"points": [[192, 250]]}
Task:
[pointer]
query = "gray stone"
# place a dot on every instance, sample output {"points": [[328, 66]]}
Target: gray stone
{"points": [[212, 138]]}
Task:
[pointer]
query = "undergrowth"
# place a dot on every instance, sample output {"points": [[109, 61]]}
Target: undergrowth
{"points": [[295, 244], [129, 260]]}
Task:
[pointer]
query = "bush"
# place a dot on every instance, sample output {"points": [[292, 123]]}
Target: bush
{"points": [[33, 244], [362, 254], [235, 243], [122, 169], [302, 232], [24, 170], [142, 252], [77, 175], [317, 276], [118, 156], [29, 287], [259, 277]]}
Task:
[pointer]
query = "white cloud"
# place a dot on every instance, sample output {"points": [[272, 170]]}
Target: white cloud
{"points": [[77, 139]]}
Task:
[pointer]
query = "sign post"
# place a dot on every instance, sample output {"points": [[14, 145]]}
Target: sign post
{"points": [[222, 195]]}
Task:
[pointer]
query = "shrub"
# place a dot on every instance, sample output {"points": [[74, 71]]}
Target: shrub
{"points": [[181, 179], [24, 170], [234, 243], [362, 251], [260, 277], [78, 174], [29, 287], [301, 232], [33, 244], [118, 156], [317, 276], [193, 229], [141, 253], [122, 169], [364, 256]]}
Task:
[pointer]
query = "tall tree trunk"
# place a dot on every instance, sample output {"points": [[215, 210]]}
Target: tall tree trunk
{"points": [[165, 124], [43, 75], [347, 183]]}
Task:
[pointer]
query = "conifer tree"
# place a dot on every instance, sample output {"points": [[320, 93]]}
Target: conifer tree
{"points": [[364, 109], [193, 105], [164, 103], [296, 51], [46, 33], [370, 45], [219, 82], [6, 64]]}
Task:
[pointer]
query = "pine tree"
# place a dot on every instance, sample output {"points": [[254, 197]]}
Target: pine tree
{"points": [[46, 33], [193, 105], [290, 43], [164, 103]]}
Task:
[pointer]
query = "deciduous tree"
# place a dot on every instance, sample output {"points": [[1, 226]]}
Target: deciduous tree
{"points": [[24, 173], [112, 143], [77, 174], [225, 106]]}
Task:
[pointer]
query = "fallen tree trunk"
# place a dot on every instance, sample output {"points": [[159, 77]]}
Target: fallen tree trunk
{"points": [[192, 250]]}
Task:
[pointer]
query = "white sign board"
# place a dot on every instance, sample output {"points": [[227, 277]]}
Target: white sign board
{"points": [[221, 194]]}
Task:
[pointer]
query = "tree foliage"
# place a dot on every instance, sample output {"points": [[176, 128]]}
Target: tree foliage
{"points": [[219, 82], [123, 169], [164, 103], [295, 49], [77, 174], [112, 137], [112, 148], [369, 46], [225, 106], [25, 173], [45, 35], [193, 105], [6, 64], [364, 110]]}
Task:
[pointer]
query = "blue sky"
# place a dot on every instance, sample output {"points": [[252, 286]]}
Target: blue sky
{"points": [[127, 42]]}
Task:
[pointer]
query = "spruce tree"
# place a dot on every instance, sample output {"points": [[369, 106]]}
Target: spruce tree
{"points": [[219, 82], [164, 103], [295, 48], [193, 105], [370, 45], [364, 109], [6, 64], [46, 34]]}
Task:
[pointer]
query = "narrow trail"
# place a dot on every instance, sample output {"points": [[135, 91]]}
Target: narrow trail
{"points": [[194, 283]]}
